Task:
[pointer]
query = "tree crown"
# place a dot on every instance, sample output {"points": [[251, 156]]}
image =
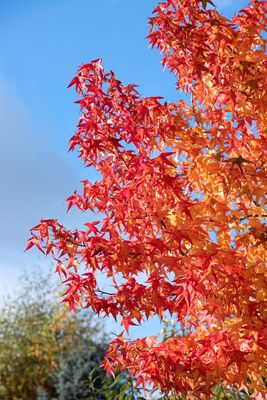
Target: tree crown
{"points": [[182, 195]]}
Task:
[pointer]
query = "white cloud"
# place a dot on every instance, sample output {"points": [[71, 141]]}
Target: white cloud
{"points": [[35, 180]]}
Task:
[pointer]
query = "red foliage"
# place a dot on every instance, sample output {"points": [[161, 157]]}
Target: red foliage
{"points": [[182, 192]]}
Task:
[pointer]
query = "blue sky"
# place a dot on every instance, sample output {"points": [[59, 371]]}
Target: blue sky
{"points": [[42, 44]]}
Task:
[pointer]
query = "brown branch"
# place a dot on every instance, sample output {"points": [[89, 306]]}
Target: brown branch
{"points": [[74, 243], [254, 216], [102, 292]]}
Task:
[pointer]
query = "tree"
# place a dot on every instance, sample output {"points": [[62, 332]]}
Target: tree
{"points": [[182, 195], [46, 353]]}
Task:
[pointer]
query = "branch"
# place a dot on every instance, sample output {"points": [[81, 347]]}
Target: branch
{"points": [[102, 292], [254, 216]]}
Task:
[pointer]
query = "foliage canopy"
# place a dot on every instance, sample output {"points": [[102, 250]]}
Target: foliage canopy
{"points": [[182, 195]]}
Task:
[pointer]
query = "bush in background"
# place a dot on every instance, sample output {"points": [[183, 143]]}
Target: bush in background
{"points": [[48, 353]]}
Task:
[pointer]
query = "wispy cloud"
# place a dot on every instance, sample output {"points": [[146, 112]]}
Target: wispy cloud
{"points": [[34, 179]]}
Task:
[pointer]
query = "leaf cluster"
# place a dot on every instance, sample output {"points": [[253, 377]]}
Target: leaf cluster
{"points": [[180, 205]]}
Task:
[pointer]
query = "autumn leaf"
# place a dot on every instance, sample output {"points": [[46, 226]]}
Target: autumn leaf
{"points": [[180, 204]]}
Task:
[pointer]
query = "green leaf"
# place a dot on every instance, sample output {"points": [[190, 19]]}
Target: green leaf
{"points": [[116, 380]]}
